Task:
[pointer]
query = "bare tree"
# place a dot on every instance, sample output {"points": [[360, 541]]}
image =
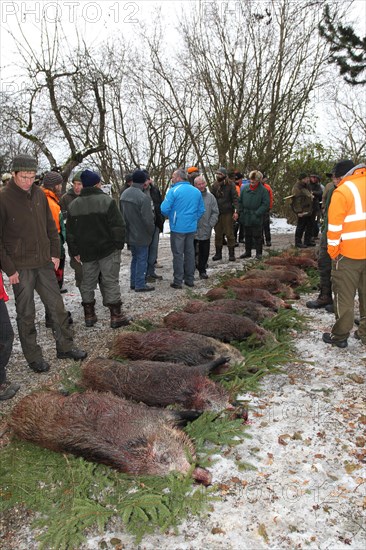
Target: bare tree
{"points": [[61, 103], [349, 119]]}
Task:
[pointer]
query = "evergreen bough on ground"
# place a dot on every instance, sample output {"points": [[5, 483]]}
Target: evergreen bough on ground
{"points": [[71, 496]]}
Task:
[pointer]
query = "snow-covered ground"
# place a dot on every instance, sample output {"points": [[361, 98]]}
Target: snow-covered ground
{"points": [[307, 427]]}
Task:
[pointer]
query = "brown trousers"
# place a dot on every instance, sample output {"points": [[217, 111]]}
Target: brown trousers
{"points": [[348, 277], [225, 227]]}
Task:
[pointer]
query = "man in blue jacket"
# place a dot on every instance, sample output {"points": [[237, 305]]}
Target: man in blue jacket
{"points": [[184, 206]]}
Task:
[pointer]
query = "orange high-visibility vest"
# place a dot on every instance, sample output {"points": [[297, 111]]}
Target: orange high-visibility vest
{"points": [[347, 216]]}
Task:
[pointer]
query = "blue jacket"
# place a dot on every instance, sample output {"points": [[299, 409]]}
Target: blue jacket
{"points": [[183, 204]]}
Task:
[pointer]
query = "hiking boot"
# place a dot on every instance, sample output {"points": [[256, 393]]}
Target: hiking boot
{"points": [[8, 390], [232, 254], [39, 366], [153, 278], [300, 245], [329, 308], [203, 275], [321, 301], [218, 255], [246, 255], [89, 314], [118, 318], [187, 283], [176, 286], [76, 354], [328, 338]]}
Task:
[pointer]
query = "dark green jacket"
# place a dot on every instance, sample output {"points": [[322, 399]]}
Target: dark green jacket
{"points": [[252, 205], [95, 227], [28, 234]]}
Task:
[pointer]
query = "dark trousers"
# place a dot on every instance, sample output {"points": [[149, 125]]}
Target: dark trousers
{"points": [[266, 228], [304, 225], [6, 340], [238, 228], [324, 267], [203, 251], [153, 252], [43, 281], [253, 238]]}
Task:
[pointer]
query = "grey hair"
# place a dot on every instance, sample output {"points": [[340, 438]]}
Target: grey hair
{"points": [[199, 178], [182, 174]]}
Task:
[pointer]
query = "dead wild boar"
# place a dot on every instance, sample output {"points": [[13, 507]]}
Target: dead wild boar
{"points": [[157, 383], [255, 312], [284, 275], [299, 261], [104, 428], [224, 326], [257, 295], [272, 285], [171, 345]]}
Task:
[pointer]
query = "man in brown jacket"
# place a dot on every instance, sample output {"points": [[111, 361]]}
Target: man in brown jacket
{"points": [[29, 254]]}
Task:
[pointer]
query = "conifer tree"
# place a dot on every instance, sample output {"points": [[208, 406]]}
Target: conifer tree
{"points": [[347, 50]]}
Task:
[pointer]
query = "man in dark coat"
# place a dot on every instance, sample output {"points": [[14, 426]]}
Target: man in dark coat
{"points": [[154, 194], [29, 254], [95, 233], [227, 199], [138, 214]]}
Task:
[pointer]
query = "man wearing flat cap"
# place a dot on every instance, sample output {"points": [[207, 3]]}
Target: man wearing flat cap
{"points": [[29, 254], [95, 232]]}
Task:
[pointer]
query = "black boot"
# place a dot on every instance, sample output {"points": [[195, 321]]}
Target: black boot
{"points": [[89, 314], [231, 254], [218, 255], [118, 319], [247, 254]]}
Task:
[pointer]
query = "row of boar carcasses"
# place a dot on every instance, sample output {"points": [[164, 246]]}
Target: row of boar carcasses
{"points": [[120, 419]]}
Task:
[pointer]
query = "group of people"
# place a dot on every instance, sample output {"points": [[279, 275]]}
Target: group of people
{"points": [[32, 239], [244, 211]]}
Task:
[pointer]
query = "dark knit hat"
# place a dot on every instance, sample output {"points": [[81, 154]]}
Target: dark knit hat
{"points": [[89, 178], [51, 179], [342, 167], [147, 174], [222, 171], [24, 163], [238, 175], [76, 176], [139, 176], [303, 175]]}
